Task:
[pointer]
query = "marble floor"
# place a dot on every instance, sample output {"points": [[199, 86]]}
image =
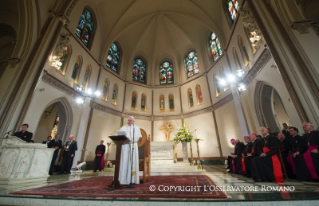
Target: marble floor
{"points": [[255, 194]]}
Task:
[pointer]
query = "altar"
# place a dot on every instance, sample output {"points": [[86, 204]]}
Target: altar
{"points": [[23, 162], [162, 152]]}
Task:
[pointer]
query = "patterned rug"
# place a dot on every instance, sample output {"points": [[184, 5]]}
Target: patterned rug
{"points": [[182, 186]]}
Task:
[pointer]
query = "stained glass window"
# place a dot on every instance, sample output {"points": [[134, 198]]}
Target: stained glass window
{"points": [[64, 59], [215, 46], [87, 76], [114, 94], [143, 102], [134, 101], [76, 69], [166, 73], [233, 8], [243, 50], [199, 95], [85, 27], [139, 70], [171, 102], [217, 88], [190, 98], [223, 75], [113, 58], [191, 64], [105, 89], [238, 66], [162, 103]]}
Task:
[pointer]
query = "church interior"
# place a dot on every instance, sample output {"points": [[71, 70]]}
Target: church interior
{"points": [[222, 69]]}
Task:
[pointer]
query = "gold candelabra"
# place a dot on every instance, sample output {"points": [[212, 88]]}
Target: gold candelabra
{"points": [[192, 160], [107, 153], [199, 164]]}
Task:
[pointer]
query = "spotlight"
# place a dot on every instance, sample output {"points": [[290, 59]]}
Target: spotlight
{"points": [[241, 87], [79, 88], [79, 100], [240, 73], [231, 78], [97, 93], [222, 82], [88, 91]]}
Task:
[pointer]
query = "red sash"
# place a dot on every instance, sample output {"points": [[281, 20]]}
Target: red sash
{"points": [[243, 164], [253, 151], [276, 166], [102, 159], [309, 163]]}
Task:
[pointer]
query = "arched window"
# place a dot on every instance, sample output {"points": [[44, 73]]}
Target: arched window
{"points": [[233, 8], [134, 101], [65, 59], [199, 95], [113, 58], [215, 46], [217, 88], [77, 69], [114, 94], [166, 73], [143, 102], [87, 76], [85, 28], [190, 98], [139, 70], [237, 62], [191, 64], [162, 103], [243, 50], [223, 75], [105, 89], [171, 102]]}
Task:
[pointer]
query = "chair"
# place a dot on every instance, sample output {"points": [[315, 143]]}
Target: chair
{"points": [[282, 164], [144, 155]]}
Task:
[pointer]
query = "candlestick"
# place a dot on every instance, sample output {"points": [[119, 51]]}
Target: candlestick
{"points": [[199, 164], [107, 153]]}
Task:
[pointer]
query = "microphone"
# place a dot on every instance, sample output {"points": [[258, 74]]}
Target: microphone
{"points": [[7, 134]]}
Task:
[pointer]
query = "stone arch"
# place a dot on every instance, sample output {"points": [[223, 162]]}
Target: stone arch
{"points": [[65, 115], [265, 108]]}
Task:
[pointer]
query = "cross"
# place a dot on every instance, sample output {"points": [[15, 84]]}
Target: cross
{"points": [[167, 128]]}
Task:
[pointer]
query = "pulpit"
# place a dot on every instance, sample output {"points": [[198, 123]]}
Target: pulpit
{"points": [[22, 162], [119, 141]]}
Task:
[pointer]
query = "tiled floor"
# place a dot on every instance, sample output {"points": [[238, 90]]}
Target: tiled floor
{"points": [[302, 190]]}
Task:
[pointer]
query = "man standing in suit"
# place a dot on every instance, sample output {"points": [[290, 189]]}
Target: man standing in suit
{"points": [[24, 134], [55, 144], [68, 155], [49, 138]]}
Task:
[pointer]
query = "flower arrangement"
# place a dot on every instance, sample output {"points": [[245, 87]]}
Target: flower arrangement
{"points": [[183, 134]]}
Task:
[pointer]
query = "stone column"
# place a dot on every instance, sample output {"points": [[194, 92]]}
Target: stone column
{"points": [[81, 136]]}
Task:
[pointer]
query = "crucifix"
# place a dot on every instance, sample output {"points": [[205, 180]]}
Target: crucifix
{"points": [[167, 128]]}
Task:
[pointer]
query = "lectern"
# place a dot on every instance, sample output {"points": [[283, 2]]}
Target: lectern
{"points": [[119, 141]]}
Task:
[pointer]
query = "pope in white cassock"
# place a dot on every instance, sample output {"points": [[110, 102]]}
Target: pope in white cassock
{"points": [[126, 154]]}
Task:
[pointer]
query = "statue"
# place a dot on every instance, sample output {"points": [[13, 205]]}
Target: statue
{"points": [[167, 128]]}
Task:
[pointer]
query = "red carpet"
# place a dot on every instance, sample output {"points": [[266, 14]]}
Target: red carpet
{"points": [[96, 187]]}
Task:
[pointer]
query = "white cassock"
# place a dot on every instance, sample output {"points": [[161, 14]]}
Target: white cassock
{"points": [[126, 156]]}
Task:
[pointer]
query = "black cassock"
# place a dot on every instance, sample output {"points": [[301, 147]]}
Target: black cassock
{"points": [[302, 170], [239, 149], [263, 167], [241, 160], [286, 149], [98, 164], [255, 152]]}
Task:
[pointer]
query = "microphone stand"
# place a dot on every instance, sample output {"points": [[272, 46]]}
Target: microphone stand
{"points": [[132, 154], [7, 134]]}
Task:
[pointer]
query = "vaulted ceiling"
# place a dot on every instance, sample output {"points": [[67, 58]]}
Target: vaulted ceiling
{"points": [[158, 29]]}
